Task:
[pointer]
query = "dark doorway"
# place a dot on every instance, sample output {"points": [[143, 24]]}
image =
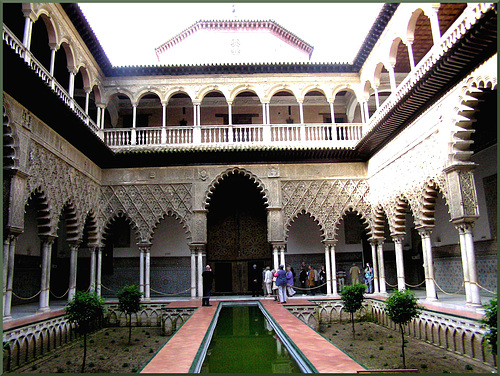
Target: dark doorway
{"points": [[236, 233]]}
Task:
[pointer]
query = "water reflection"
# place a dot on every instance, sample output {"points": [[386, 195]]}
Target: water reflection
{"points": [[245, 342]]}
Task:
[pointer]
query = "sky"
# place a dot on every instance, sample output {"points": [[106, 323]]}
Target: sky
{"points": [[130, 32]]}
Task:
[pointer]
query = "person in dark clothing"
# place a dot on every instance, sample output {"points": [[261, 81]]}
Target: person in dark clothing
{"points": [[208, 279], [255, 280]]}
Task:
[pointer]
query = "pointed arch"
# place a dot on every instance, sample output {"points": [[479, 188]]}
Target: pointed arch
{"points": [[120, 214], [305, 212], [170, 213], [231, 171]]}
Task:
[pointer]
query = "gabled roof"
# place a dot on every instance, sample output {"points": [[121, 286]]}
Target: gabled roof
{"points": [[270, 25]]}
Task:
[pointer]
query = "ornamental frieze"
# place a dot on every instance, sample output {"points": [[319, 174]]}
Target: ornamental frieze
{"points": [[325, 200]]}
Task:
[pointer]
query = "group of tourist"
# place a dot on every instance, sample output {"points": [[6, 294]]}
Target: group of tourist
{"points": [[280, 283]]}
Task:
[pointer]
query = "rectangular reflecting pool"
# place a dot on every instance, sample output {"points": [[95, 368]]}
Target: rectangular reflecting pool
{"points": [[245, 341]]}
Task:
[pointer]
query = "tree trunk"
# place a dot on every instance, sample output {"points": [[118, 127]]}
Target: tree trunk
{"points": [[402, 344], [84, 351], [352, 320], [129, 328]]}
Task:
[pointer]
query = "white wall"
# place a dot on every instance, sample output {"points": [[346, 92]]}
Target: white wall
{"points": [[170, 239]]}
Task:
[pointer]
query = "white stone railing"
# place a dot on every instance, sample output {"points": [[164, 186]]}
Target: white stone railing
{"points": [[332, 135], [45, 75]]}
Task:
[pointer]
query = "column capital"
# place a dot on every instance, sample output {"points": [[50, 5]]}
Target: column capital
{"points": [[398, 238], [48, 239], [424, 231], [464, 227], [331, 243], [377, 241], [74, 243], [144, 247]]}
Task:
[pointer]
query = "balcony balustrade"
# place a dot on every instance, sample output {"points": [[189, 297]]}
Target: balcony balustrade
{"points": [[342, 135]]}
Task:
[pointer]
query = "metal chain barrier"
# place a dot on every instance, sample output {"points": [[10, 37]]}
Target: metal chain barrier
{"points": [[19, 297], [173, 294], [388, 284], [106, 288], [59, 297]]}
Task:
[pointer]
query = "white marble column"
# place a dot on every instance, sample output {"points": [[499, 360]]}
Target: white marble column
{"points": [[200, 270], [73, 266], [373, 244], [164, 123], [147, 275], [377, 99], [275, 257], [264, 114], [334, 270], [436, 32], [328, 267], [28, 27], [47, 242], [98, 271], [193, 272], [71, 84], [92, 269], [400, 268], [332, 111], [362, 111], [141, 270], [230, 113], [301, 111], [10, 250], [282, 256], [381, 269], [465, 264], [268, 114], [392, 79], [52, 63], [475, 297], [430, 287], [133, 138], [409, 45]]}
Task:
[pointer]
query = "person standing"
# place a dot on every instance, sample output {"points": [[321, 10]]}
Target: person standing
{"points": [[303, 278], [354, 272], [322, 279], [268, 281], [281, 283], [255, 276], [289, 281], [208, 279], [369, 278], [310, 279]]}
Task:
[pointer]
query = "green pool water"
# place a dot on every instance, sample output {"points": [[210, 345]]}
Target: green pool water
{"points": [[245, 342]]}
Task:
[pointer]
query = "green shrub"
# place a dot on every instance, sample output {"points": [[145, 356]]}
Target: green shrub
{"points": [[352, 299], [490, 320], [468, 367]]}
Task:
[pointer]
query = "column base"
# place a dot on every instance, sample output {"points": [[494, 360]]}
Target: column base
{"points": [[146, 300], [473, 305], [334, 296], [431, 300], [43, 310], [7, 318]]}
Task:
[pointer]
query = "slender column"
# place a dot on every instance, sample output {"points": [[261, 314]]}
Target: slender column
{"points": [[28, 27], [98, 118], [141, 270], [381, 269], [196, 125], [475, 296], [436, 33], [367, 111], [73, 265], [373, 244], [362, 110], [98, 272], [268, 114], [5, 264], [392, 78], [282, 255], [230, 113], [410, 53], [71, 85], [377, 99], [465, 263], [52, 63], [147, 276], [275, 257], [334, 270], [198, 114], [47, 242], [87, 99], [264, 113], [133, 139], [193, 272], [301, 111], [92, 269], [400, 271], [328, 268], [430, 288], [200, 270], [9, 278], [332, 111]]}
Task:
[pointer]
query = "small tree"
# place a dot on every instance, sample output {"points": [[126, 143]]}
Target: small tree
{"points": [[352, 298], [402, 307], [490, 319], [129, 302], [84, 310]]}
